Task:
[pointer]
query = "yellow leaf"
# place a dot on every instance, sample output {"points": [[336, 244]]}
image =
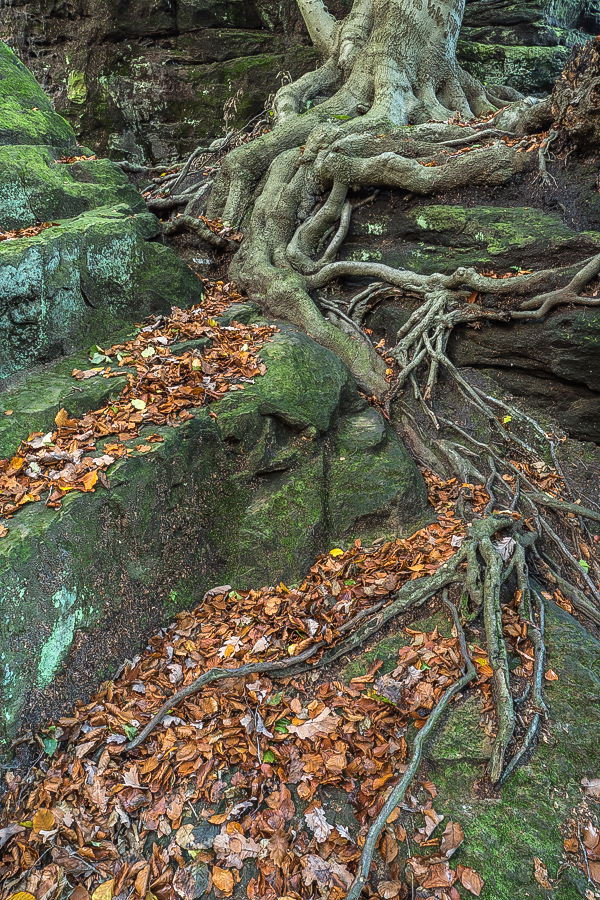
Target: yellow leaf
{"points": [[336, 552], [61, 417], [212, 323], [89, 480], [22, 895], [43, 820], [283, 587], [9, 412], [105, 891]]}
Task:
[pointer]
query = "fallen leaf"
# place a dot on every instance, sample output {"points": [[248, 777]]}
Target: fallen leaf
{"points": [[43, 821], [324, 723], [592, 787], [105, 891], [223, 880], [541, 873], [8, 832], [470, 879], [550, 675], [318, 824], [452, 838]]}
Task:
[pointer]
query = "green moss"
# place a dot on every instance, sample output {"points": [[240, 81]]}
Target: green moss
{"points": [[72, 285], [526, 69], [503, 837], [241, 499], [26, 115], [36, 188]]}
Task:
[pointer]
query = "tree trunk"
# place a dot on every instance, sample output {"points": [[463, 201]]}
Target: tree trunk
{"points": [[389, 64]]}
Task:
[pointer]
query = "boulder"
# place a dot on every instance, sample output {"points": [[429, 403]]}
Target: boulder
{"points": [[36, 187], [26, 114], [82, 279], [247, 492], [98, 264]]}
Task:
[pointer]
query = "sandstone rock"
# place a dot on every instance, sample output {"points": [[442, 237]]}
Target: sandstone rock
{"points": [[247, 499], [78, 282]]}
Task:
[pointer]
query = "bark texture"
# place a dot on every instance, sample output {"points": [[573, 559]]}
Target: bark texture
{"points": [[379, 111]]}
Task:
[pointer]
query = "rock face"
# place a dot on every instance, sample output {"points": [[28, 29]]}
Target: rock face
{"points": [[289, 466], [553, 362], [85, 277], [150, 80]]}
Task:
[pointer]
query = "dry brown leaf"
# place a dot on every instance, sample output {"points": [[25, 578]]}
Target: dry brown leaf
{"points": [[387, 890], [592, 787], [324, 723], [131, 777], [223, 880], [470, 879], [452, 838], [105, 891], [80, 893], [43, 821], [439, 875], [541, 873], [594, 866], [550, 675], [318, 824]]}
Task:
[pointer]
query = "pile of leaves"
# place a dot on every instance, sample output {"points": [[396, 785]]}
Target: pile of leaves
{"points": [[223, 229], [31, 231], [163, 385], [240, 771]]}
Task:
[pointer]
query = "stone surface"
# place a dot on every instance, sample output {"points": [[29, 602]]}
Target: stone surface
{"points": [[35, 187], [76, 283], [26, 114], [98, 266], [553, 361], [248, 498], [504, 834], [150, 80]]}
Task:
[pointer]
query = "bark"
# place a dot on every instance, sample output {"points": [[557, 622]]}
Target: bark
{"points": [[379, 111]]}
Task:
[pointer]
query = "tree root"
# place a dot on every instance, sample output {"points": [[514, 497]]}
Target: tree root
{"points": [[197, 226], [483, 588], [397, 794]]}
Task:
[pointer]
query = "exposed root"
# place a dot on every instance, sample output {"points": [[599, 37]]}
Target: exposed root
{"points": [[197, 226], [397, 794]]}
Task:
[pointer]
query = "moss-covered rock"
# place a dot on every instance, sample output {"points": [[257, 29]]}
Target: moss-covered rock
{"points": [[26, 114], [76, 282], [503, 836], [429, 237], [531, 70], [34, 187], [245, 499]]}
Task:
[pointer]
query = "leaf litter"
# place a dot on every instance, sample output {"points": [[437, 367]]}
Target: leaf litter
{"points": [[236, 774], [163, 385]]}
